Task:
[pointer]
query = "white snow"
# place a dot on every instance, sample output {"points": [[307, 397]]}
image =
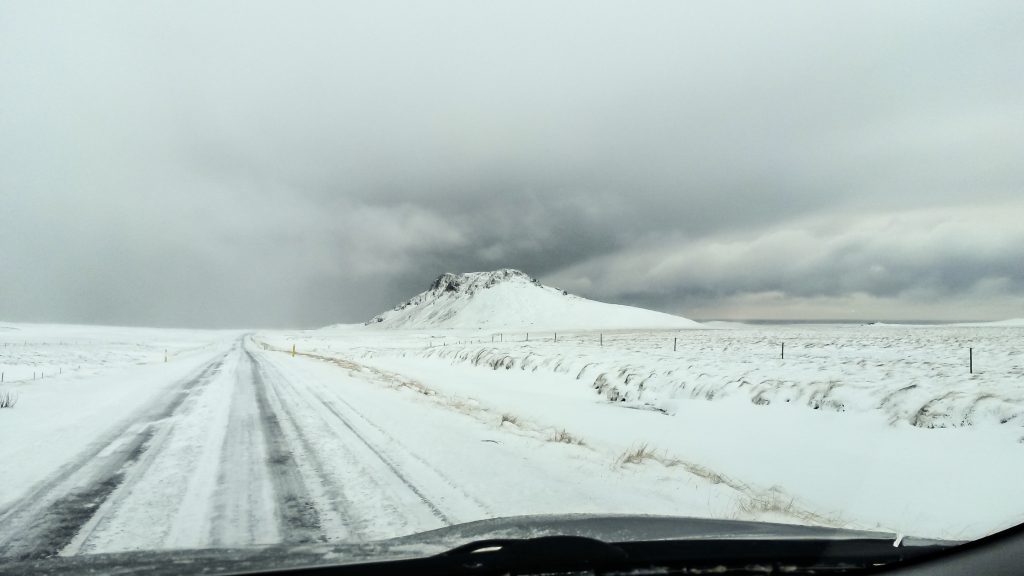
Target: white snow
{"points": [[1011, 323], [862, 426], [89, 381], [510, 299], [380, 433]]}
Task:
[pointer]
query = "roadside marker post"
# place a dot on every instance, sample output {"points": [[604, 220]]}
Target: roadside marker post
{"points": [[970, 359], [293, 350]]}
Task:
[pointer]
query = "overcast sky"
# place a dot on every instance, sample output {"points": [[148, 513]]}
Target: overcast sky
{"points": [[303, 163]]}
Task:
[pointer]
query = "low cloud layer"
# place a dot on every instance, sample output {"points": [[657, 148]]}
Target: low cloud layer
{"points": [[198, 165], [903, 264]]}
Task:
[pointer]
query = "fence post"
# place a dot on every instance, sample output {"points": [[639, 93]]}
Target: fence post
{"points": [[602, 339], [293, 350], [970, 352], [675, 342], [783, 357], [556, 336]]}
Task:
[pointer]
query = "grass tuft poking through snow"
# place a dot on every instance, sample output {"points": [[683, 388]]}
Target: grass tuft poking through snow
{"points": [[8, 399], [566, 438], [636, 455], [772, 500], [513, 420]]}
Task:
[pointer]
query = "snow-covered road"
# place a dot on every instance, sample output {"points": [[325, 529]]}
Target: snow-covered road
{"points": [[236, 453], [236, 442], [252, 446]]}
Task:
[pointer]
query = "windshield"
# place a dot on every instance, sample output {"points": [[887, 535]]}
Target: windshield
{"points": [[335, 274]]}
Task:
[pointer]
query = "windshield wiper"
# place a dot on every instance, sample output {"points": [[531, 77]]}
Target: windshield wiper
{"points": [[571, 554], [537, 544], [532, 554]]}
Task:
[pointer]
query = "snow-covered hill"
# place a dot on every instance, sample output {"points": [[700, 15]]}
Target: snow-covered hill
{"points": [[511, 299]]}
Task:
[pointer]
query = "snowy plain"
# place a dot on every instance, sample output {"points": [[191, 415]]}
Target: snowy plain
{"points": [[858, 426], [368, 433]]}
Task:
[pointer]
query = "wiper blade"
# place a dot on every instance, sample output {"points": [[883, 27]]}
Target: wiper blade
{"points": [[530, 554], [553, 554], [572, 554]]}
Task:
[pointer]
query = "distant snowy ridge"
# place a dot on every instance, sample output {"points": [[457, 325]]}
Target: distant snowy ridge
{"points": [[1011, 323], [510, 298]]}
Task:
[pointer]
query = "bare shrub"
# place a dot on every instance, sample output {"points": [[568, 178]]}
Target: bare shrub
{"points": [[8, 399]]}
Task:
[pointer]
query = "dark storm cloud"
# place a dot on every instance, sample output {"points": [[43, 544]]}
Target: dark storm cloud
{"points": [[299, 164], [922, 257]]}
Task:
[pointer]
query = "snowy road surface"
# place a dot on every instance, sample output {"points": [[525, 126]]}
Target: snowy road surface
{"points": [[233, 454], [255, 447], [235, 443]]}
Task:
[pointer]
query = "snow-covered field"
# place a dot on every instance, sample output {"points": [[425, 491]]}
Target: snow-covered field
{"points": [[862, 426], [38, 351], [368, 433]]}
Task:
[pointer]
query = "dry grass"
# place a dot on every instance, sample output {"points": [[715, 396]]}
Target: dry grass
{"points": [[513, 420], [565, 438], [636, 455], [771, 500], [8, 399]]}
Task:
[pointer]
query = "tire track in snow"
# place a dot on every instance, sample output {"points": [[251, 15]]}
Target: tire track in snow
{"points": [[390, 440], [361, 439], [351, 528], [390, 464], [251, 494], [45, 521], [297, 513], [389, 379], [351, 442]]}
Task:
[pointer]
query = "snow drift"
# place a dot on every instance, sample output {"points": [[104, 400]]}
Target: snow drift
{"points": [[511, 299]]}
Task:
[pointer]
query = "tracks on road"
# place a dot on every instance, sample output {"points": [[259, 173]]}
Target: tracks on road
{"points": [[377, 487], [297, 463], [296, 511], [44, 521]]}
